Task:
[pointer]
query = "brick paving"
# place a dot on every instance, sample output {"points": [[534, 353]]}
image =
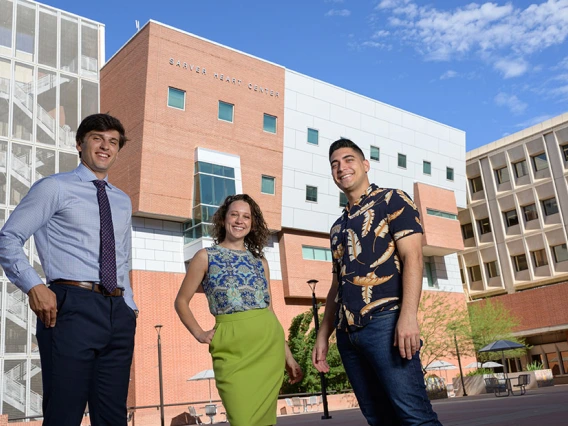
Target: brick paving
{"points": [[543, 406]]}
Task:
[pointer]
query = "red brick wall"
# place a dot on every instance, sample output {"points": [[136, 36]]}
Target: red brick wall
{"points": [[538, 307], [165, 147], [439, 232], [296, 271], [123, 82]]}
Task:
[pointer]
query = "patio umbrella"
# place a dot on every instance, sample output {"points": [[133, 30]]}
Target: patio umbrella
{"points": [[440, 365], [491, 364], [501, 346], [474, 365], [204, 375]]}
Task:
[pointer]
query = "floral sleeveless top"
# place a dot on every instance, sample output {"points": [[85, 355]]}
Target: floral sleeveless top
{"points": [[234, 282]]}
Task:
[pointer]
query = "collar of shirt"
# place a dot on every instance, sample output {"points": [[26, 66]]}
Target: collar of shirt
{"points": [[86, 175], [357, 203]]}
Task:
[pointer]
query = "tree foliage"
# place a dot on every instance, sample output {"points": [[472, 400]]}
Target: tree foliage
{"points": [[491, 321], [301, 340], [441, 320]]}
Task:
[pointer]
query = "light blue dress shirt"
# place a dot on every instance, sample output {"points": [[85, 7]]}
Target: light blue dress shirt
{"points": [[62, 212]]}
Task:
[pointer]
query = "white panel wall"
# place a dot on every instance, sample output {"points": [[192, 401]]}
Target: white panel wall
{"points": [[336, 112], [157, 245], [446, 274]]}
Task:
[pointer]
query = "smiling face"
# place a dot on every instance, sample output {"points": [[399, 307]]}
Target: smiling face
{"points": [[349, 172], [238, 221], [99, 150]]}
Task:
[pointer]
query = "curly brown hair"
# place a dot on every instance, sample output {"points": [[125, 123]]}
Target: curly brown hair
{"points": [[256, 239]]}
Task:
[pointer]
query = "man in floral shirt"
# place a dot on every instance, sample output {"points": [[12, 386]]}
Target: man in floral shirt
{"points": [[374, 297]]}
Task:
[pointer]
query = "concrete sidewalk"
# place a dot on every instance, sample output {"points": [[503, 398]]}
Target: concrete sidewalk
{"points": [[543, 406]]}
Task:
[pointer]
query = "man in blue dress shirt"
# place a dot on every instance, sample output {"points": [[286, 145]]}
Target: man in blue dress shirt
{"points": [[86, 320]]}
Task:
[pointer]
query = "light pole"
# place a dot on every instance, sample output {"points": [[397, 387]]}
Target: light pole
{"points": [[460, 364], [312, 284], [158, 328]]}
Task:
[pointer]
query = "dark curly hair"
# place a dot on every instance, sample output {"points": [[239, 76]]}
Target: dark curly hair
{"points": [[256, 239]]}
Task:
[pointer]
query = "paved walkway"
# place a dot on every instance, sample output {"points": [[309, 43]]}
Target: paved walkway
{"points": [[544, 406]]}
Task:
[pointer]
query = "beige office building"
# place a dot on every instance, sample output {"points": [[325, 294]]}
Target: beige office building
{"points": [[515, 233]]}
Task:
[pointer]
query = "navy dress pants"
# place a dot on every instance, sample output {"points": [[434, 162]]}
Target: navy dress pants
{"points": [[86, 357]]}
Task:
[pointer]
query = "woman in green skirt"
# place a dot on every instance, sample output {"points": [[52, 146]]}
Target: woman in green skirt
{"points": [[247, 344]]}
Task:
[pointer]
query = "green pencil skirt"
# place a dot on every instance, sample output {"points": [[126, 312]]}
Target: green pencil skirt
{"points": [[248, 360]]}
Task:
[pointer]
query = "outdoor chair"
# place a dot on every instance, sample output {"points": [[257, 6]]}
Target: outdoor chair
{"points": [[290, 404], [211, 411], [500, 388], [193, 414], [314, 401], [522, 381], [299, 404]]}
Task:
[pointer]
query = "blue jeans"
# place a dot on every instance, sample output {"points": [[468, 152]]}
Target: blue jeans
{"points": [[390, 390]]}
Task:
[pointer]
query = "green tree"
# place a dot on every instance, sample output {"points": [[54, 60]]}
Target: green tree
{"points": [[440, 320], [301, 340], [490, 321]]}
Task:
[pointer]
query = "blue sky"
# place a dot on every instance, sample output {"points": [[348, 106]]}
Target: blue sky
{"points": [[490, 69]]}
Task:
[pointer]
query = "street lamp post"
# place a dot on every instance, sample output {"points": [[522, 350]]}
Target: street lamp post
{"points": [[312, 284], [158, 328], [460, 364]]}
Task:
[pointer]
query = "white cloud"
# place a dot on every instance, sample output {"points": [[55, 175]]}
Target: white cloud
{"points": [[511, 67], [448, 74], [515, 105], [338, 12], [488, 31], [381, 33]]}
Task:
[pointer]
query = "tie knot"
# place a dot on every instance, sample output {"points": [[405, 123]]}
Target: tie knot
{"points": [[100, 184]]}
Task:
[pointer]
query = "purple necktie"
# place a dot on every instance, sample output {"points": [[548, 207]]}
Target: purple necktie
{"points": [[108, 254]]}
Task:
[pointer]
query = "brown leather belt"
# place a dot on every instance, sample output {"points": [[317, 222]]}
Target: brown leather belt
{"points": [[88, 285]]}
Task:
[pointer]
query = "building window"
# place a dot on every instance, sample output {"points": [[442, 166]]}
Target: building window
{"points": [[462, 276], [375, 153], [539, 258], [476, 184], [474, 273], [511, 218], [311, 193], [313, 136], [427, 167], [467, 231], [565, 152], [484, 226], [540, 162], [502, 175], [521, 169], [550, 206], [530, 212], [225, 111], [343, 201], [176, 98], [212, 184], [449, 173], [492, 269], [269, 123], [520, 262], [402, 161], [316, 253], [429, 269], [267, 185], [560, 253], [439, 213]]}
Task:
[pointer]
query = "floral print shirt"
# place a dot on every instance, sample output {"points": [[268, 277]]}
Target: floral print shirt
{"points": [[234, 282], [365, 257]]}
